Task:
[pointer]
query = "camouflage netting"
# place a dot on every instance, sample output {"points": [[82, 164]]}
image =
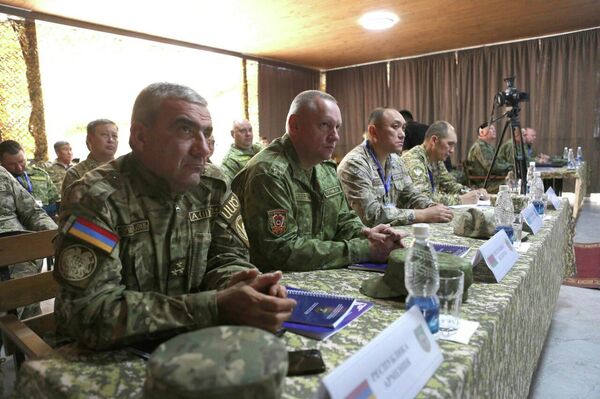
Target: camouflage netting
{"points": [[21, 103]]}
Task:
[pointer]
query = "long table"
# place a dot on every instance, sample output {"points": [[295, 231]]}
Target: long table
{"points": [[498, 362], [581, 176]]}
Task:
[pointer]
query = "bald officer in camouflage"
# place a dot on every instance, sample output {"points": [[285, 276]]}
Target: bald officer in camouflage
{"points": [[242, 149], [376, 182], [152, 243], [425, 164], [295, 211], [481, 154]]}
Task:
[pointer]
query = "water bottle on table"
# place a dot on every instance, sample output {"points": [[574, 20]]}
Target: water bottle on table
{"points": [[537, 190], [570, 160], [422, 277], [579, 158], [566, 154], [530, 171], [504, 212]]}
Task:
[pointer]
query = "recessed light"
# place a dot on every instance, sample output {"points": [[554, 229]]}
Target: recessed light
{"points": [[378, 20]]}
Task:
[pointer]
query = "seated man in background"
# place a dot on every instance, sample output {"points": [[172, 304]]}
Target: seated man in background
{"points": [[295, 211], [35, 180], [480, 158], [57, 169], [375, 179], [242, 149], [415, 131], [505, 153], [152, 244], [19, 212], [102, 140], [425, 164]]}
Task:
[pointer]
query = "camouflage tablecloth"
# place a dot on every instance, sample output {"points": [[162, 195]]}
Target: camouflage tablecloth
{"points": [[581, 175], [499, 361]]}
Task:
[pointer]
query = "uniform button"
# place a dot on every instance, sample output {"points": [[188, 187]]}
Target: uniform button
{"points": [[177, 208]]}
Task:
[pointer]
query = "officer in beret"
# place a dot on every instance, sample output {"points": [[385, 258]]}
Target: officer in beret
{"points": [[152, 243]]}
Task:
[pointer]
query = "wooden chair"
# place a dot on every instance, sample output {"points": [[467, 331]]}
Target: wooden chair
{"points": [[477, 180], [22, 337]]}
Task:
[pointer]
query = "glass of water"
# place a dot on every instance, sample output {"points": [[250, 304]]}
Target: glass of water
{"points": [[517, 226], [452, 283]]}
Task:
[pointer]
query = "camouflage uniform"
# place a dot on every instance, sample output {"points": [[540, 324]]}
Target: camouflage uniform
{"points": [[77, 171], [505, 153], [57, 172], [19, 212], [297, 219], [171, 254], [366, 194], [236, 159], [42, 187], [445, 189], [480, 158]]}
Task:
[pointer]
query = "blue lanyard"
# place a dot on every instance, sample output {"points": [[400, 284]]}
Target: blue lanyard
{"points": [[26, 183], [387, 181], [431, 180]]}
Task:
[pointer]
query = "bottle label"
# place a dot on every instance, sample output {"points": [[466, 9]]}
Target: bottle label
{"points": [[430, 308]]}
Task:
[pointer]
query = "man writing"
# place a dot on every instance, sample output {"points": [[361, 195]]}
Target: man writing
{"points": [[376, 182], [152, 243], [102, 140], [292, 201], [425, 164], [242, 149]]}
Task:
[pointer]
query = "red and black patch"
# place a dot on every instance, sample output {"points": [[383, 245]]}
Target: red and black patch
{"points": [[278, 221]]}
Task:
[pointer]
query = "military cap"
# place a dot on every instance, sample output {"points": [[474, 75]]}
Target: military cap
{"points": [[391, 284], [218, 362], [475, 223]]}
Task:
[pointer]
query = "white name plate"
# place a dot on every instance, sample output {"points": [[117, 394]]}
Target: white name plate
{"points": [[498, 253], [553, 198], [533, 220], [396, 364]]}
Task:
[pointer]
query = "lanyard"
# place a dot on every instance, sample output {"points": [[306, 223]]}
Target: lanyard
{"points": [[431, 179], [26, 182], [387, 181]]}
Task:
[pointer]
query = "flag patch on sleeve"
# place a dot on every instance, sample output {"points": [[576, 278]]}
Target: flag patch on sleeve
{"points": [[93, 234]]}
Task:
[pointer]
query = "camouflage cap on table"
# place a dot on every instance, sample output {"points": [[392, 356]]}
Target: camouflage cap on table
{"points": [[475, 223], [391, 284], [218, 362]]}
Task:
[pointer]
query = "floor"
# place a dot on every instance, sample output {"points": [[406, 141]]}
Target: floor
{"points": [[569, 366]]}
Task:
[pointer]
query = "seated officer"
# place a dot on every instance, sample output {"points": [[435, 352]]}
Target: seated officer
{"points": [[296, 214], [242, 149], [57, 169], [152, 244], [375, 179], [481, 154], [505, 153], [425, 164]]}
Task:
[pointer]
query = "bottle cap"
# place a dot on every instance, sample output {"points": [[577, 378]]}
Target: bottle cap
{"points": [[503, 187], [421, 230], [536, 174], [532, 163]]}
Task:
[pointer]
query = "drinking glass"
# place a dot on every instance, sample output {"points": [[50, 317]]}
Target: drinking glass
{"points": [[517, 226], [450, 295]]}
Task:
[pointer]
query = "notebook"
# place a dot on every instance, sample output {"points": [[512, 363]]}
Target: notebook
{"points": [[318, 308]]}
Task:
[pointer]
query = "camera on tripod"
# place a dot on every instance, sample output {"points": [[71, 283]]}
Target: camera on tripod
{"points": [[510, 97]]}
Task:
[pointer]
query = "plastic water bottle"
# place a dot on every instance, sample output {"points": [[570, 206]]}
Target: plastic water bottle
{"points": [[422, 277], [537, 193], [530, 172], [579, 158], [566, 153], [570, 160], [504, 212]]}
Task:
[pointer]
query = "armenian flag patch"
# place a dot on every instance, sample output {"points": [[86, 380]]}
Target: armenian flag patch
{"points": [[93, 234]]}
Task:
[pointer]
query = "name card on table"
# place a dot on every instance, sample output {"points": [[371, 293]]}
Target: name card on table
{"points": [[533, 220], [553, 198], [498, 253], [396, 364]]}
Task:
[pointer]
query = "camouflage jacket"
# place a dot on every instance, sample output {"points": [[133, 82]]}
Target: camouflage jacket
{"points": [[170, 254], [480, 158], [77, 171], [445, 189], [57, 172], [18, 209], [41, 186], [236, 159], [505, 153], [366, 192], [297, 219]]}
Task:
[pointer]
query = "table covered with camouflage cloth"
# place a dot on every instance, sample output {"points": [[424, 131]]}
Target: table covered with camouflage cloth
{"points": [[499, 361], [581, 175]]}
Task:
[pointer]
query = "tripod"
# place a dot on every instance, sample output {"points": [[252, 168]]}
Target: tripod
{"points": [[519, 159]]}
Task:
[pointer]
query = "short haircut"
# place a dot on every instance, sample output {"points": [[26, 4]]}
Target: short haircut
{"points": [[306, 99], [406, 114], [376, 116], [484, 125], [59, 144], [150, 99], [91, 127], [9, 146], [440, 129]]}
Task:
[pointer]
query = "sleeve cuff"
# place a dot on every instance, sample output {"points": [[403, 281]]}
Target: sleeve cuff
{"points": [[359, 250], [202, 307]]}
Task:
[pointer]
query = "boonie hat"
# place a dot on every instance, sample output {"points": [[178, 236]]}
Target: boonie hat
{"points": [[218, 362]]}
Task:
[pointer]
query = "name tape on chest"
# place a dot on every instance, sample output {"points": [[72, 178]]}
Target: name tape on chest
{"points": [[196, 216], [331, 191], [129, 230]]}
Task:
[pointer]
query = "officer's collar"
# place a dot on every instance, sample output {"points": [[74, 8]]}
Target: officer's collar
{"points": [[149, 182]]}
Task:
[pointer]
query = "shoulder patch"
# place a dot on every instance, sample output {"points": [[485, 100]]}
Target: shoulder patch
{"points": [[231, 213], [92, 234], [277, 221], [77, 263]]}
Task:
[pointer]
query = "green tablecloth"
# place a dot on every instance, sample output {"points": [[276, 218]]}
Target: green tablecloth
{"points": [[514, 317], [581, 175]]}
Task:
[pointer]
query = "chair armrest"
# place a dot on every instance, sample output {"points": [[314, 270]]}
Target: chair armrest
{"points": [[24, 338]]}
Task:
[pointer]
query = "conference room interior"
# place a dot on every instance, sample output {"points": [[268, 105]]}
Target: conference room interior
{"points": [[63, 64]]}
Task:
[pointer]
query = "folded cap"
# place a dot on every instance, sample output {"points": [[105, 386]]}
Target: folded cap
{"points": [[218, 362], [391, 284], [475, 223]]}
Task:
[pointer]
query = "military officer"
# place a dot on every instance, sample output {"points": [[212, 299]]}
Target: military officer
{"points": [[375, 179], [481, 154], [242, 149], [505, 153], [292, 202], [57, 169], [152, 243]]}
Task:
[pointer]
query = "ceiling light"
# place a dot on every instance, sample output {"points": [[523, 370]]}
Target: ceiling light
{"points": [[378, 20]]}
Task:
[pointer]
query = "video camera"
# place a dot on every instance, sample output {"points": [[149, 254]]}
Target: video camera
{"points": [[510, 97]]}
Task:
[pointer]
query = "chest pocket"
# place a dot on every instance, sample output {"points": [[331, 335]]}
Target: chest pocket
{"points": [[137, 261], [333, 198], [304, 214], [198, 260]]}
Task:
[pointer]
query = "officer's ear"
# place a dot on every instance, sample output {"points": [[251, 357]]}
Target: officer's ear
{"points": [[138, 137], [293, 124], [372, 131]]}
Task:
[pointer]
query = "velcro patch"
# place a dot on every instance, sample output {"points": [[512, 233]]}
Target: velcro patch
{"points": [[331, 191], [231, 214], [278, 221], [128, 230], [202, 214], [77, 263], [92, 234], [302, 197]]}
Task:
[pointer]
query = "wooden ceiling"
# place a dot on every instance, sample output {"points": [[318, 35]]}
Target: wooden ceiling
{"points": [[324, 34]]}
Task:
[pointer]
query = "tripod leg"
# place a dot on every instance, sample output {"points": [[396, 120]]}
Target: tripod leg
{"points": [[498, 144]]}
